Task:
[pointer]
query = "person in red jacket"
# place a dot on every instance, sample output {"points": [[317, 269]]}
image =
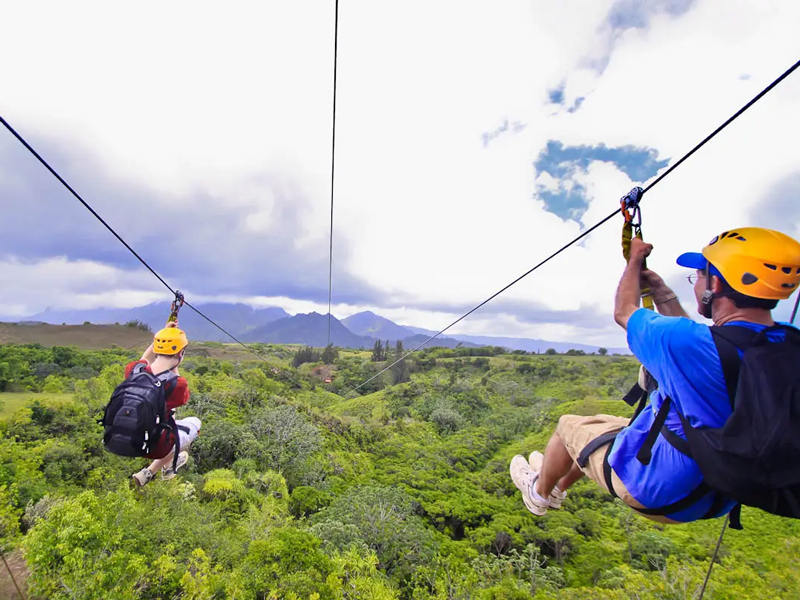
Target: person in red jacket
{"points": [[165, 354]]}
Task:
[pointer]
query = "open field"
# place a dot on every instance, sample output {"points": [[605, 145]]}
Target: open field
{"points": [[11, 401], [88, 337], [98, 337]]}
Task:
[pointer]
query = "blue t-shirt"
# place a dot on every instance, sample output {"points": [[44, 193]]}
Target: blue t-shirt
{"points": [[683, 358]]}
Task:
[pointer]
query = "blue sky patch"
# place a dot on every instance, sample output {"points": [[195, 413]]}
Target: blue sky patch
{"points": [[561, 162], [636, 14], [556, 96]]}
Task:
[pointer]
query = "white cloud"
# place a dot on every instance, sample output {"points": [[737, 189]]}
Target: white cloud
{"points": [[204, 101]]}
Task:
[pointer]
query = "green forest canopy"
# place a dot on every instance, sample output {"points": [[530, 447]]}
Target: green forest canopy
{"points": [[299, 489]]}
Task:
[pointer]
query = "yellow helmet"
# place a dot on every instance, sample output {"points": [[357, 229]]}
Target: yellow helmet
{"points": [[169, 340], [756, 262]]}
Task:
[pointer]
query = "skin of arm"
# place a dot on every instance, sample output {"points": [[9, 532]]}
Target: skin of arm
{"points": [[666, 301], [149, 355], [626, 301]]}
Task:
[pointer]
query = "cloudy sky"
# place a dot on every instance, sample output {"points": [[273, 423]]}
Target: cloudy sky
{"points": [[472, 139]]}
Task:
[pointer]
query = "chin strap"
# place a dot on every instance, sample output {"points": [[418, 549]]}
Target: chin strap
{"points": [[708, 296]]}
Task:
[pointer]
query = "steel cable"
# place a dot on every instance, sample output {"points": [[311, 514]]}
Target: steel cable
{"points": [[708, 138], [116, 235]]}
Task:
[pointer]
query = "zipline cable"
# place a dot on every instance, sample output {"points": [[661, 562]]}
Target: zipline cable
{"points": [[714, 557], [116, 235], [13, 579], [708, 138], [333, 164], [794, 311]]}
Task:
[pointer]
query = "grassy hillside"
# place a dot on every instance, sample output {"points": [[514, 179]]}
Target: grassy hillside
{"points": [[299, 489]]}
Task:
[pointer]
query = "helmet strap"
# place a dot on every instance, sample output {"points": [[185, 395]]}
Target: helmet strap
{"points": [[708, 296]]}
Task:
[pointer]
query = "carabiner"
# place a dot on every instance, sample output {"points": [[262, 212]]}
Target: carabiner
{"points": [[629, 206], [175, 306]]}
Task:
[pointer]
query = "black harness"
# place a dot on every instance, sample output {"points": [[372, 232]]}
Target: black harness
{"points": [[729, 357]]}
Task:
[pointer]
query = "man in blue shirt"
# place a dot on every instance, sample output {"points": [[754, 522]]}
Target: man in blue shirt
{"points": [[740, 276]]}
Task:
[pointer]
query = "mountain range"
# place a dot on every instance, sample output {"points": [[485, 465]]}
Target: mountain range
{"points": [[275, 325]]}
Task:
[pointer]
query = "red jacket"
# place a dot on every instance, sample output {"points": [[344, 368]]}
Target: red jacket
{"points": [[178, 396]]}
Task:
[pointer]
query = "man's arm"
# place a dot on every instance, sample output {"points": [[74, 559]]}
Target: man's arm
{"points": [[629, 290], [665, 299], [149, 355]]}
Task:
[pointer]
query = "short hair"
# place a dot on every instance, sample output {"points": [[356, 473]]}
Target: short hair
{"points": [[743, 301]]}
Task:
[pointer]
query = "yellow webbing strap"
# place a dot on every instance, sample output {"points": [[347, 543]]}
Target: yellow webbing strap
{"points": [[627, 234]]}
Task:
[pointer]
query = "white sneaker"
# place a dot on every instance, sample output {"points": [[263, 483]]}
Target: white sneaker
{"points": [[524, 478], [167, 472], [143, 477], [557, 496]]}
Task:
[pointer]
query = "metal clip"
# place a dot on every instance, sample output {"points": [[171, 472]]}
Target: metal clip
{"points": [[629, 206], [176, 306]]}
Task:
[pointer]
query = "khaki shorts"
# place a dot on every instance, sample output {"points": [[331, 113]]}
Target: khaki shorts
{"points": [[576, 432]]}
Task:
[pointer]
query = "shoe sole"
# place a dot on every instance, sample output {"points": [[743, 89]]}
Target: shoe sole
{"points": [[138, 483], [534, 508]]}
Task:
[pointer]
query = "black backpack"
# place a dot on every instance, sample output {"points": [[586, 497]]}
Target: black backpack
{"points": [[136, 416], [754, 457]]}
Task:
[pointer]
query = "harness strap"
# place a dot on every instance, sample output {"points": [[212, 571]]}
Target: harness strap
{"points": [[593, 446], [676, 441], [646, 451], [696, 494], [634, 395], [174, 426], [607, 472], [638, 396]]}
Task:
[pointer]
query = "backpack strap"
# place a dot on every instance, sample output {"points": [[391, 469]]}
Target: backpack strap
{"points": [[174, 427], [169, 381], [139, 367], [729, 340], [728, 345]]}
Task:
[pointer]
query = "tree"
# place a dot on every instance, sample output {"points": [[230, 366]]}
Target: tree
{"points": [[382, 518], [282, 439], [550, 351], [378, 353], [401, 372], [329, 355], [304, 355], [602, 351]]}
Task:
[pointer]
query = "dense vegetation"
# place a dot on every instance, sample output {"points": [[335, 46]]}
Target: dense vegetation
{"points": [[297, 489]]}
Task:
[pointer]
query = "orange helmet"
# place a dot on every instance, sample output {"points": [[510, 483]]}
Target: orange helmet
{"points": [[169, 340], [756, 262]]}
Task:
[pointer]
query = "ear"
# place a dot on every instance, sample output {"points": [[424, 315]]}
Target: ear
{"points": [[716, 284]]}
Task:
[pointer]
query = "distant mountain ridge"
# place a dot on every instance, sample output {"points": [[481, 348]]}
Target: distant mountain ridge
{"points": [[275, 325], [237, 318]]}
